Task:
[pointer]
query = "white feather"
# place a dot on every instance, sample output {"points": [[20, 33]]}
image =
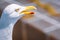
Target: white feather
{"points": [[8, 19]]}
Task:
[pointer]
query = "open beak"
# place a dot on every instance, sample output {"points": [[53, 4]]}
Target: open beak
{"points": [[27, 9]]}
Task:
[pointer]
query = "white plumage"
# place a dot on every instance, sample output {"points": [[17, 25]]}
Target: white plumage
{"points": [[8, 19]]}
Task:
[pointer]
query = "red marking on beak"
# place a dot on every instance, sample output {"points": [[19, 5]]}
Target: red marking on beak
{"points": [[32, 13]]}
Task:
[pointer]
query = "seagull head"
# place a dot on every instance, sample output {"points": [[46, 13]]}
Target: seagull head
{"points": [[12, 13]]}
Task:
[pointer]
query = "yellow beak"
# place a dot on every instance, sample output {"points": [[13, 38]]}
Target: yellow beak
{"points": [[28, 13], [27, 9]]}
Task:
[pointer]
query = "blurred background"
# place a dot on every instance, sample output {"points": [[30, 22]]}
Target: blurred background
{"points": [[41, 26]]}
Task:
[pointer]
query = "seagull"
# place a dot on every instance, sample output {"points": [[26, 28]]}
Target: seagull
{"points": [[10, 15]]}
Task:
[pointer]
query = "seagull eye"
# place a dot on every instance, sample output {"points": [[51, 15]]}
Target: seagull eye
{"points": [[17, 9]]}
